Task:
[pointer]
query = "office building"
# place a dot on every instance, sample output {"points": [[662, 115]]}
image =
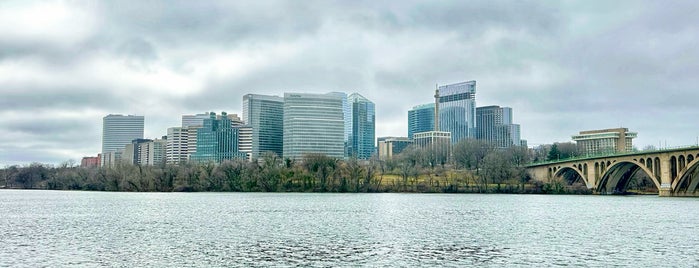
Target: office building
{"points": [[437, 145], [265, 115], [495, 126], [153, 152], [118, 131], [217, 140], [176, 152], [603, 141], [420, 119], [390, 146], [112, 159], [362, 130], [190, 120], [245, 140], [457, 110], [132, 152], [313, 123]]}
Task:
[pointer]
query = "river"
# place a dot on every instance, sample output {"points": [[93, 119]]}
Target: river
{"points": [[104, 229]]}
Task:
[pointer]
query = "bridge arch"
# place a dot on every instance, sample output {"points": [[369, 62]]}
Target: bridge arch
{"points": [[619, 174], [688, 179], [571, 175]]}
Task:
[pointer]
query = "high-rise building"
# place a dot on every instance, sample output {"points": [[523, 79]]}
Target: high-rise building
{"points": [[363, 125], [313, 123], [390, 146], [189, 120], [615, 140], [177, 145], [495, 126], [245, 140], [133, 152], [457, 110], [217, 140], [265, 114], [153, 152], [118, 131], [347, 116], [420, 119]]}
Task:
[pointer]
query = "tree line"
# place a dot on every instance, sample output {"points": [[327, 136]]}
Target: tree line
{"points": [[471, 166]]}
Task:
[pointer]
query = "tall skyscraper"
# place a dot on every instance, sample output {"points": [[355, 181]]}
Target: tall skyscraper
{"points": [[265, 114], [495, 126], [313, 123], [420, 119], [118, 131], [217, 140], [363, 118], [457, 110]]}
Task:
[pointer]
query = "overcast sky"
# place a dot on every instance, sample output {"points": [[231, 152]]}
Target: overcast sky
{"points": [[563, 66]]}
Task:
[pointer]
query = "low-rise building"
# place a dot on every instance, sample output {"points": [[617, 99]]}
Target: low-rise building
{"points": [[614, 140]]}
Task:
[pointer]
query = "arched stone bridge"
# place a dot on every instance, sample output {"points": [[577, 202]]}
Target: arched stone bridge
{"points": [[675, 172]]}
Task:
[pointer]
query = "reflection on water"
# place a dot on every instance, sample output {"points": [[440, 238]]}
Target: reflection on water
{"points": [[47, 228]]}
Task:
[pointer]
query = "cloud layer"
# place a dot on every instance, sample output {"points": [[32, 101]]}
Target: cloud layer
{"points": [[563, 67]]}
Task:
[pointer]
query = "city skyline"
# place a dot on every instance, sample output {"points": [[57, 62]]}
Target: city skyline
{"points": [[563, 67]]}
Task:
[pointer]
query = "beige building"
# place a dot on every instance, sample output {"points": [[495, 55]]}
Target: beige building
{"points": [[615, 140], [437, 142], [390, 146]]}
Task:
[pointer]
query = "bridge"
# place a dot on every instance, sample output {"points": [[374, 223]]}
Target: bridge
{"points": [[675, 172]]}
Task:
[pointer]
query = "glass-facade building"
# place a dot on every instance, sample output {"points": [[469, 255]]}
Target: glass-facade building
{"points": [[119, 130], [420, 119], [495, 126], [194, 120], [217, 140], [313, 123], [265, 115], [457, 110], [363, 125]]}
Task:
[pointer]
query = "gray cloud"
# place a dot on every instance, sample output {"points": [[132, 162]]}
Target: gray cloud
{"points": [[563, 67]]}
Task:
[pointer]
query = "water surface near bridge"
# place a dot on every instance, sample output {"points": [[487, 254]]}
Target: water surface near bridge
{"points": [[49, 228]]}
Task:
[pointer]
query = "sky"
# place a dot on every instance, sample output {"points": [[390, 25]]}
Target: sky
{"points": [[563, 66]]}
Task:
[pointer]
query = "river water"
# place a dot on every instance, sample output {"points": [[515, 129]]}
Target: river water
{"points": [[53, 228]]}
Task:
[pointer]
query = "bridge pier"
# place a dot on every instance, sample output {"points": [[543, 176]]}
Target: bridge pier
{"points": [[665, 190]]}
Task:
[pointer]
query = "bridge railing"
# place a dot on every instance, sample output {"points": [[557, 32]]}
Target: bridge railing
{"points": [[614, 154]]}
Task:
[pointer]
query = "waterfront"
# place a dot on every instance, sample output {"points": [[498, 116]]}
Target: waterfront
{"points": [[55, 228]]}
